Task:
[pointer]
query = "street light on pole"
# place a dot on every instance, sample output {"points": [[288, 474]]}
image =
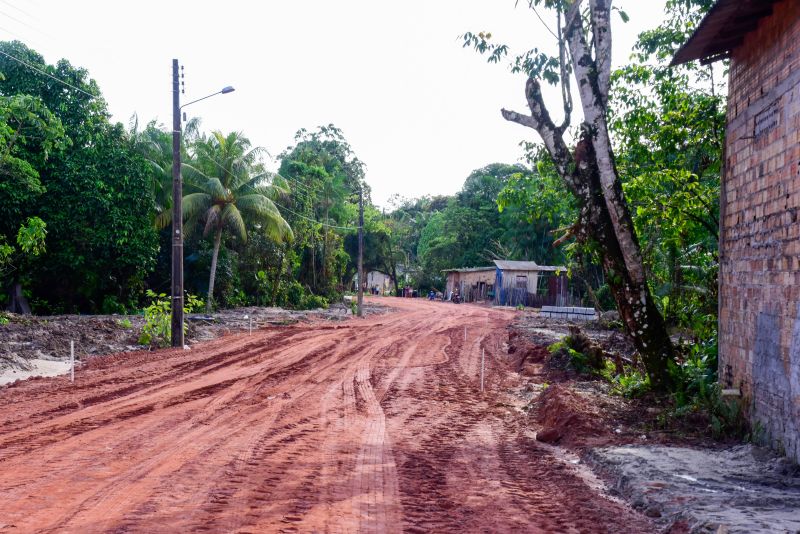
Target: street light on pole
{"points": [[177, 205]]}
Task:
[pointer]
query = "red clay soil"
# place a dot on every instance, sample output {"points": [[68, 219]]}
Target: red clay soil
{"points": [[374, 425], [569, 419]]}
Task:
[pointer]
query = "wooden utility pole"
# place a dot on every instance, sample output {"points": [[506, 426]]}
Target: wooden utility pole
{"points": [[177, 214], [360, 252]]}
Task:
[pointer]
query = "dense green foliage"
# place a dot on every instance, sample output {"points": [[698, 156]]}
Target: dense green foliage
{"points": [[669, 125], [470, 229], [666, 126], [66, 164], [325, 178], [157, 329], [102, 192], [227, 188], [84, 200]]}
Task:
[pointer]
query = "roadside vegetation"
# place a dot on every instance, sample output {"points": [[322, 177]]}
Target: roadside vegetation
{"points": [[651, 140], [87, 204]]}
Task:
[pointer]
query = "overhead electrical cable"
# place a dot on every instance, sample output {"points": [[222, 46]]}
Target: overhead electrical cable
{"points": [[543, 22], [287, 209], [18, 36], [40, 71], [6, 2], [15, 19], [314, 220]]}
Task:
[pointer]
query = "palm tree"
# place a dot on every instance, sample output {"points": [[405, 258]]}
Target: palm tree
{"points": [[228, 188], [154, 143]]}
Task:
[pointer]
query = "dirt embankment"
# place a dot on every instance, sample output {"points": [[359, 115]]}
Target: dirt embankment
{"points": [[684, 481], [26, 340], [368, 425]]}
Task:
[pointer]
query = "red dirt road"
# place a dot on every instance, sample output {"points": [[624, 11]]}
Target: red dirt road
{"points": [[372, 425]]}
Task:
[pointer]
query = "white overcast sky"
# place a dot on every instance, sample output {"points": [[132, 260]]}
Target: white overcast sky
{"points": [[418, 109]]}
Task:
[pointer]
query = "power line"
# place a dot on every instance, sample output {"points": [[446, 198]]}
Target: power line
{"points": [[306, 191], [314, 220], [542, 21], [12, 33], [302, 195], [307, 197], [6, 2], [40, 71], [298, 182], [15, 19], [287, 209]]}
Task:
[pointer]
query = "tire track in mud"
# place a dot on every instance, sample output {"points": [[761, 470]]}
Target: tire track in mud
{"points": [[376, 425], [118, 398]]}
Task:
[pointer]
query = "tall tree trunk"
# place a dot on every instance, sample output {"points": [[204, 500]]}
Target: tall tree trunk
{"points": [[17, 301], [325, 247], [212, 276], [591, 174], [394, 278], [313, 261], [277, 283]]}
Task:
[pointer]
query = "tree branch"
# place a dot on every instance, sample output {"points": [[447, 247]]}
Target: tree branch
{"points": [[540, 120], [566, 91], [714, 230], [593, 102], [601, 32], [568, 233]]}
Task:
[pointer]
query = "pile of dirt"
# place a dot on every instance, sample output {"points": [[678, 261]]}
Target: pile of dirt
{"points": [[531, 355], [526, 357], [568, 418], [544, 331], [677, 475]]}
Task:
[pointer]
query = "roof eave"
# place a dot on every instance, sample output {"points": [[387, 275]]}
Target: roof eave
{"points": [[722, 29]]}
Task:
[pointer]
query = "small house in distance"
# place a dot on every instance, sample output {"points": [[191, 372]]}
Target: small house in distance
{"points": [[376, 281], [474, 284], [759, 245], [511, 283], [529, 284]]}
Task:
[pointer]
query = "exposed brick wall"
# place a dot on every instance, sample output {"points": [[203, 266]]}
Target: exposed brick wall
{"points": [[760, 234]]}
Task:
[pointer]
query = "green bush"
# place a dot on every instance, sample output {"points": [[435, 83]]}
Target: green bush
{"points": [[298, 297], [313, 302], [294, 294], [111, 305], [237, 299], [605, 298], [577, 360], [631, 384], [698, 393], [157, 329]]}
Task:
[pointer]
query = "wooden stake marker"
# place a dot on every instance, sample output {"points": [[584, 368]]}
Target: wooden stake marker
{"points": [[483, 365]]}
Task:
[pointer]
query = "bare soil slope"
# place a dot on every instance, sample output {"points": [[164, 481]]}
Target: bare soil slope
{"points": [[373, 425]]}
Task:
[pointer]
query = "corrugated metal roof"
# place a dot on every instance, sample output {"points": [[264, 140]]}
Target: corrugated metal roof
{"points": [[509, 265], [468, 270], [723, 29]]}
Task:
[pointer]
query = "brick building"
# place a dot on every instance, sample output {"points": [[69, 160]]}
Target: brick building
{"points": [[759, 317]]}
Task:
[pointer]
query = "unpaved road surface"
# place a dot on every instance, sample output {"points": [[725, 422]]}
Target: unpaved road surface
{"points": [[373, 425]]}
